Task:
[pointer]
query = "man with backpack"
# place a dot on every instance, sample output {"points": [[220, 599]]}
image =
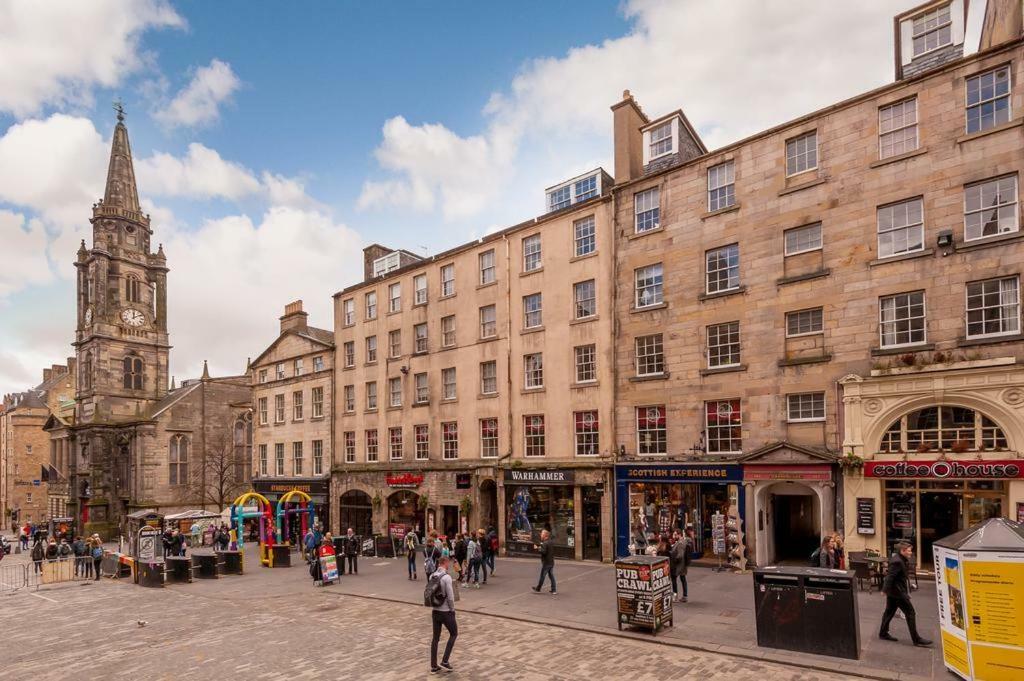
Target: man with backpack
{"points": [[440, 596]]}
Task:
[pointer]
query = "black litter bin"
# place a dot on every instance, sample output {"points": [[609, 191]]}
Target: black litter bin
{"points": [[207, 564], [231, 562], [150, 575], [179, 569], [777, 605], [810, 610], [280, 555]]}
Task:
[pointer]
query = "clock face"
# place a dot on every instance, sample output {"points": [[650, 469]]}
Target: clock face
{"points": [[88, 316], [133, 317]]}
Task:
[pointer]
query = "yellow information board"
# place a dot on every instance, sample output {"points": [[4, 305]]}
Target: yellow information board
{"points": [[980, 598]]}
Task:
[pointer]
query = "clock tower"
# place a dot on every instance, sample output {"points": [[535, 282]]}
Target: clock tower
{"points": [[121, 338]]}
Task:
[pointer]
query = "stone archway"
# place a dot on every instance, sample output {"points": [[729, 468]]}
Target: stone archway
{"points": [[355, 509], [796, 515]]}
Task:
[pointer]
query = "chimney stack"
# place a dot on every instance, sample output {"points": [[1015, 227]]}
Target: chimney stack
{"points": [[628, 118], [47, 373], [294, 317]]}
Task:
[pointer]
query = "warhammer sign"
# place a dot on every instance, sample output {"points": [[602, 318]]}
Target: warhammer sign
{"points": [[944, 470], [405, 480]]}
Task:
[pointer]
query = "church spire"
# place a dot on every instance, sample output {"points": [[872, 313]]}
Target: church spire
{"points": [[121, 191]]}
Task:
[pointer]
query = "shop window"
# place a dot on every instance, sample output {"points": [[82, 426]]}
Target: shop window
{"points": [[533, 508], [651, 432], [724, 426], [945, 428]]}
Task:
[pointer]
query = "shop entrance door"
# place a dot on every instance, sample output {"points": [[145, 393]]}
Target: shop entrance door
{"points": [[450, 521], [591, 524], [796, 536], [940, 517], [356, 511]]}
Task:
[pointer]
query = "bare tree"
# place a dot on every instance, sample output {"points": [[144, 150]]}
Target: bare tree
{"points": [[217, 478]]}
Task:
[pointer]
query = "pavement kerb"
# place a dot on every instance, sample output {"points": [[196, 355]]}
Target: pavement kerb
{"points": [[760, 656]]}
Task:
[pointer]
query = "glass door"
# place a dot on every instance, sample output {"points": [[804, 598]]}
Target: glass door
{"points": [[591, 523], [941, 514]]}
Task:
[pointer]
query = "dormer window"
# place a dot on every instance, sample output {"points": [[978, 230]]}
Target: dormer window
{"points": [[932, 30], [576, 190], [387, 263], [929, 36], [661, 140]]}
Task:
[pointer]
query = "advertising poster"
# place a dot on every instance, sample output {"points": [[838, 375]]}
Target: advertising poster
{"points": [[952, 625], [644, 592], [329, 566]]}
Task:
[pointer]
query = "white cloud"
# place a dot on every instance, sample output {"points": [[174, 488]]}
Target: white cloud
{"points": [[201, 173], [735, 68], [198, 103], [55, 166], [23, 256], [287, 191], [56, 52], [436, 164], [231, 278]]}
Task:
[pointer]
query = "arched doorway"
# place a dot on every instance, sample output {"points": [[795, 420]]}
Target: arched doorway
{"points": [[356, 510], [795, 512], [404, 511], [488, 504]]}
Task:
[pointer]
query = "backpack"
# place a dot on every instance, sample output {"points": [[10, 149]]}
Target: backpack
{"points": [[816, 557], [97, 552], [433, 593], [494, 543]]}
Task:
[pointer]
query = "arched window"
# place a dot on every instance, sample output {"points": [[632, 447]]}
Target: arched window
{"points": [[242, 439], [944, 428], [178, 460], [132, 289], [133, 372]]}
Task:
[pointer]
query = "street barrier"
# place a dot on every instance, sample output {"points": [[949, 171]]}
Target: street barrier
{"points": [[40, 572]]}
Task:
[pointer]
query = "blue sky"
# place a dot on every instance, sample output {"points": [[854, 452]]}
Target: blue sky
{"points": [[272, 141]]}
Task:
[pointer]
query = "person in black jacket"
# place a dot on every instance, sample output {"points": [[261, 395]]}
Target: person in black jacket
{"points": [[547, 561], [352, 552], [896, 588]]}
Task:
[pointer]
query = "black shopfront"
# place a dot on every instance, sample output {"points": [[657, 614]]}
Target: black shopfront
{"points": [[539, 500]]}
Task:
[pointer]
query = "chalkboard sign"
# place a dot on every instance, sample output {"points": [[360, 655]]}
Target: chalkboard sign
{"points": [[384, 546], [368, 547], [865, 515]]}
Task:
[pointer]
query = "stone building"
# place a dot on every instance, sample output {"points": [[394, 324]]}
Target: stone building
{"points": [[473, 385], [31, 490], [129, 442], [841, 288], [293, 397]]}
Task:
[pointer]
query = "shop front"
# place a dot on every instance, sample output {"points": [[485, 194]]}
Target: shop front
{"points": [[391, 502], [317, 488], [790, 502], [655, 498], [925, 501], [571, 504], [930, 455]]}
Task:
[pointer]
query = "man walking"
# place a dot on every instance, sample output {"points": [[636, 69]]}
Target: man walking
{"points": [[679, 562], [352, 552], [442, 614], [491, 548], [547, 561], [896, 588]]}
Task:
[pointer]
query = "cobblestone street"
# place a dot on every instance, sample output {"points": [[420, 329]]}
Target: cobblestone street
{"points": [[273, 624]]}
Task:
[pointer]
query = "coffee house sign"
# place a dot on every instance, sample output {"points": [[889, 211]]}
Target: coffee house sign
{"points": [[945, 470]]}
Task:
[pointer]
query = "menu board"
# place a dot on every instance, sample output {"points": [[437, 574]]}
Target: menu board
{"points": [[643, 588], [329, 567], [865, 515]]}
